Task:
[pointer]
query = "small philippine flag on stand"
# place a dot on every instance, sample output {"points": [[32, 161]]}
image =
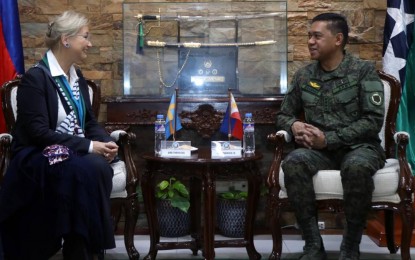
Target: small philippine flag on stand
{"points": [[172, 121], [232, 123]]}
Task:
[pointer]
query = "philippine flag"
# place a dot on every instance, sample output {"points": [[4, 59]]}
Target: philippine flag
{"points": [[11, 51], [232, 123]]}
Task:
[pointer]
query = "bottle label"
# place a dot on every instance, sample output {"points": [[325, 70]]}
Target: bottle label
{"points": [[249, 128], [160, 128]]}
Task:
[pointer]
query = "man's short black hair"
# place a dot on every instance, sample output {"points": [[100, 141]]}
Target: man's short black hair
{"points": [[336, 23]]}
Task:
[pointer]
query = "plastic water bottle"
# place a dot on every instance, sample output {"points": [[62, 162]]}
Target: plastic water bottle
{"points": [[249, 134], [159, 133]]}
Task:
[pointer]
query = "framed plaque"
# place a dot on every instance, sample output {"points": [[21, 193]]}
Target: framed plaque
{"points": [[208, 70]]}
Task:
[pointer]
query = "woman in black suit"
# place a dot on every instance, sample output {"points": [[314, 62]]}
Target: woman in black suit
{"points": [[58, 184]]}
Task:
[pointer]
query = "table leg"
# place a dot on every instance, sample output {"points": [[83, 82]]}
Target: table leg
{"points": [[254, 182], [195, 213], [209, 213], [147, 186]]}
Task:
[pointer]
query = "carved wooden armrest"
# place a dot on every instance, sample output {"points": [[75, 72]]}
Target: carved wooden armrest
{"points": [[406, 182], [5, 153], [124, 140], [279, 139], [5, 146]]}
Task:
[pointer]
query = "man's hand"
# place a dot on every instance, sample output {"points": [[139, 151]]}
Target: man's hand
{"points": [[108, 150], [308, 135]]}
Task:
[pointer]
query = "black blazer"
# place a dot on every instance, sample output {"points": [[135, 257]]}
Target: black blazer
{"points": [[37, 114]]}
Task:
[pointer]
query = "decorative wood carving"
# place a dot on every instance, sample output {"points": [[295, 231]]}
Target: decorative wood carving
{"points": [[143, 116], [206, 120], [143, 111], [265, 116], [112, 127]]}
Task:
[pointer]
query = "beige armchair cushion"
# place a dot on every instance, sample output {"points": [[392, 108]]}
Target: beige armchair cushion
{"points": [[327, 184], [119, 180]]}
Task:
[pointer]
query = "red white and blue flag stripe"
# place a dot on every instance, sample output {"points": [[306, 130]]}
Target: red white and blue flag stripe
{"points": [[11, 51]]}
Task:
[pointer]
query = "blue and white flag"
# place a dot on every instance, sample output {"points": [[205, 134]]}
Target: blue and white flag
{"points": [[398, 37], [399, 61]]}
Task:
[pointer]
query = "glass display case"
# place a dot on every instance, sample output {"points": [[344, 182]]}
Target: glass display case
{"points": [[205, 49]]}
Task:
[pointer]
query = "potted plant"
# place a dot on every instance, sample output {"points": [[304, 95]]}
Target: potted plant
{"points": [[231, 212], [172, 208]]}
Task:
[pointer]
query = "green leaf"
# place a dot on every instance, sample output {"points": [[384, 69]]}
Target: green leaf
{"points": [[163, 185], [179, 187], [234, 195], [228, 195], [243, 195], [161, 195], [171, 193], [181, 203]]}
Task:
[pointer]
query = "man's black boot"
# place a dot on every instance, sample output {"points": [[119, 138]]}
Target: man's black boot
{"points": [[314, 248], [349, 248]]}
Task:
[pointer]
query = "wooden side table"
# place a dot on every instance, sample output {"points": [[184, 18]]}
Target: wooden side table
{"points": [[203, 172]]}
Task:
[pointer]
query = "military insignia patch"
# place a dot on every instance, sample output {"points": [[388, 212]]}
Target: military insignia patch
{"points": [[376, 99], [314, 85]]}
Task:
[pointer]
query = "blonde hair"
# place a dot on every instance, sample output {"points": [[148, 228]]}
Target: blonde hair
{"points": [[67, 24]]}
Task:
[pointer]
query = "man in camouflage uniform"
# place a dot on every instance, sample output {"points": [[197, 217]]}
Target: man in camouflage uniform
{"points": [[341, 100]]}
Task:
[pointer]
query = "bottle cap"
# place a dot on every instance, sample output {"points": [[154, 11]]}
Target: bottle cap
{"points": [[248, 115], [160, 116]]}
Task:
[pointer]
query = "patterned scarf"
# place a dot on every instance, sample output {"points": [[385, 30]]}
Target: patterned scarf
{"points": [[74, 123]]}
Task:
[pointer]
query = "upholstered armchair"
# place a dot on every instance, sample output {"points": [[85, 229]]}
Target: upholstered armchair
{"points": [[394, 184], [125, 181]]}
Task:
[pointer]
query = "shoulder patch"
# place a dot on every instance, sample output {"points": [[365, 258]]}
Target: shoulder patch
{"points": [[376, 99]]}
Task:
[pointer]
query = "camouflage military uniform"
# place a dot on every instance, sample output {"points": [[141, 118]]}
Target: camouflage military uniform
{"points": [[347, 105]]}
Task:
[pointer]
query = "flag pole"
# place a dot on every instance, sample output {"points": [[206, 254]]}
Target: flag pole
{"points": [[229, 116], [174, 115]]}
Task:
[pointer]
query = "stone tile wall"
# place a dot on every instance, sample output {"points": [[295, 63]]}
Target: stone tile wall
{"points": [[105, 65]]}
